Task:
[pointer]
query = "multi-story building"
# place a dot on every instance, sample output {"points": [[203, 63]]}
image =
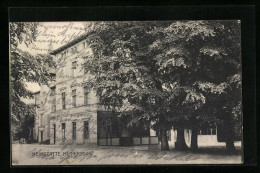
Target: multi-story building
{"points": [[68, 110]]}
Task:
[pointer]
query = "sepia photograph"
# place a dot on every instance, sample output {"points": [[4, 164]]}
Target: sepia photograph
{"points": [[160, 92]]}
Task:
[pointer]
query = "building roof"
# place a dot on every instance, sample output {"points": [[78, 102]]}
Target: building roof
{"points": [[69, 44]]}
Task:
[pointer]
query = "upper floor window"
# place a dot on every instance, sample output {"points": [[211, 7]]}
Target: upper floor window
{"points": [[63, 100], [36, 99], [116, 66], [85, 69], [86, 92], [54, 105], [52, 78], [74, 66], [54, 100], [41, 120], [52, 92], [64, 54], [74, 98], [74, 49], [84, 44]]}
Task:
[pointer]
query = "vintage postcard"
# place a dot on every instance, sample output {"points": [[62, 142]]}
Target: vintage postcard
{"points": [[126, 92]]}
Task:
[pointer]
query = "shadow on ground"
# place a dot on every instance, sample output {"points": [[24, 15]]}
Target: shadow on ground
{"points": [[218, 151]]}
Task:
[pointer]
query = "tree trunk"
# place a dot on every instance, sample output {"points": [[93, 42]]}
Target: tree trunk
{"points": [[194, 139], [230, 145], [164, 141], [180, 144], [229, 131]]}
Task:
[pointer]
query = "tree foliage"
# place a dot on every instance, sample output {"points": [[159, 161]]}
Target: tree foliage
{"points": [[172, 73], [24, 68]]}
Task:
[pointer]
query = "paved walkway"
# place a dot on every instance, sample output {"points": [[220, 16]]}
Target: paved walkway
{"points": [[35, 154]]}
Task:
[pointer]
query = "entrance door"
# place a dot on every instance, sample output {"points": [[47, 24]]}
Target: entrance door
{"points": [[86, 132], [54, 133], [74, 131], [41, 136]]}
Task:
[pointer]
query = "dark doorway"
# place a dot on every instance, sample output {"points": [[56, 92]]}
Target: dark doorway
{"points": [[41, 136], [54, 133], [86, 131], [74, 130]]}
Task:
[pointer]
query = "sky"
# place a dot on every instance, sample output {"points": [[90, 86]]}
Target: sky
{"points": [[51, 36]]}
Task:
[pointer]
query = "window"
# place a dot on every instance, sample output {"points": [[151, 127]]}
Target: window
{"points": [[52, 77], [53, 108], [64, 54], [73, 130], [74, 66], [73, 50], [116, 66], [86, 91], [52, 92], [54, 105], [85, 69], [74, 98], [63, 100], [54, 133], [84, 44], [63, 130], [86, 131], [41, 120]]}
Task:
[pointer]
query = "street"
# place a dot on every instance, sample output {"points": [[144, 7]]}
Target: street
{"points": [[35, 154]]}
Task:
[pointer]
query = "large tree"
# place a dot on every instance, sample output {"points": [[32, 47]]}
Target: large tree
{"points": [[157, 70], [126, 72], [24, 68], [208, 54]]}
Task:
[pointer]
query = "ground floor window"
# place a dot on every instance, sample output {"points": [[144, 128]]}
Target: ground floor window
{"points": [[63, 130], [86, 130], [41, 136], [73, 130], [54, 133]]}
